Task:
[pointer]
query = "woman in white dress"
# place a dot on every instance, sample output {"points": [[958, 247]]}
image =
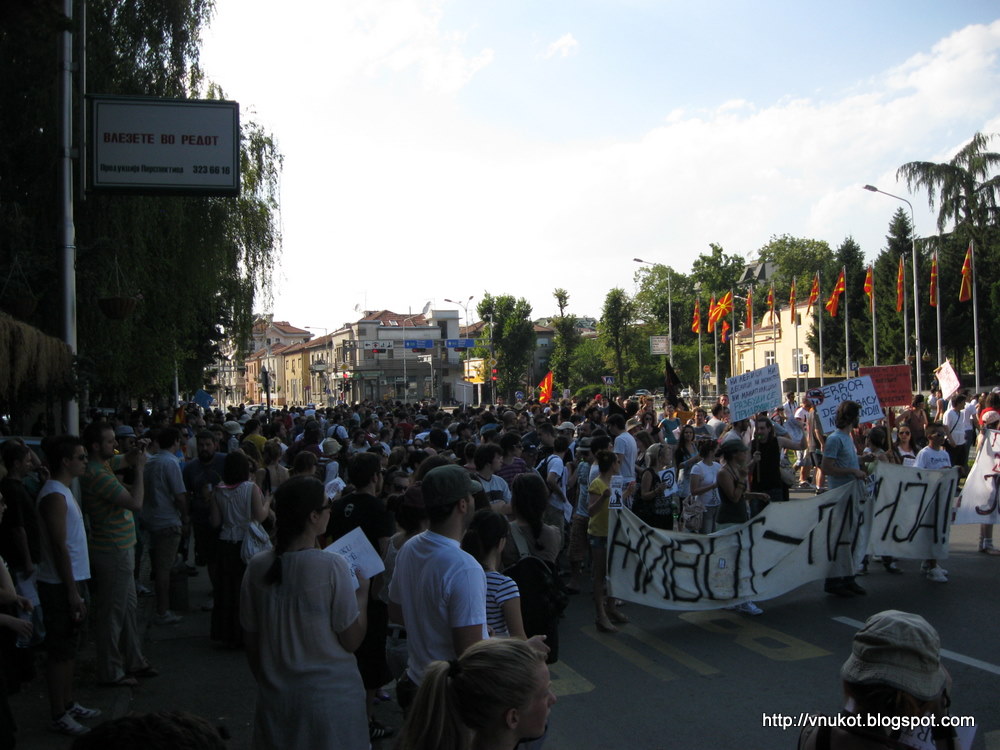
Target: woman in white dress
{"points": [[302, 621]]}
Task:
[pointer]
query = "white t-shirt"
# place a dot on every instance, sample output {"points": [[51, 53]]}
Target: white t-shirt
{"points": [[439, 587], [707, 475], [625, 446], [554, 465], [76, 537], [955, 425], [928, 458], [496, 488]]}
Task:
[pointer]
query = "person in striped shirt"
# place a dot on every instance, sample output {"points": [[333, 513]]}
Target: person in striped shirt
{"points": [[484, 540]]}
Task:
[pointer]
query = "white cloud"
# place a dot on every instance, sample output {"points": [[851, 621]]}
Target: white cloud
{"points": [[391, 196], [564, 46]]}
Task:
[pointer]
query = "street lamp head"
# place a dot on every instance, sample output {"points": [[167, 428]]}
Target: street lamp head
{"points": [[640, 260], [871, 188]]}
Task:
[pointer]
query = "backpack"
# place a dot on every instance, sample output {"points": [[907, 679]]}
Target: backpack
{"points": [[543, 598]]}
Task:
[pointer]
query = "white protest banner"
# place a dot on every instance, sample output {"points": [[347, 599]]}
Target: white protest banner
{"points": [[830, 396], [754, 391], [785, 546], [947, 380], [981, 493], [617, 492], [359, 553], [912, 511]]}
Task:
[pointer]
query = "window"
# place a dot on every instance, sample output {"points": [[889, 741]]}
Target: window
{"points": [[797, 359], [768, 357]]}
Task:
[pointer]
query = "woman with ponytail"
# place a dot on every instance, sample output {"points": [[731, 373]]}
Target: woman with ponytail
{"points": [[494, 695], [302, 621]]}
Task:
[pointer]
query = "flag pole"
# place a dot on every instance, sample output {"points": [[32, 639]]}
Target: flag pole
{"points": [[715, 346], [753, 341], [871, 300], [819, 316], [975, 314], [937, 299], [847, 330], [798, 363], [732, 335], [906, 319], [701, 380]]}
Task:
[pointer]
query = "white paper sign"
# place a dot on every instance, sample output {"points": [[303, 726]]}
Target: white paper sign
{"points": [[359, 553], [755, 391], [948, 380], [981, 493], [830, 396]]}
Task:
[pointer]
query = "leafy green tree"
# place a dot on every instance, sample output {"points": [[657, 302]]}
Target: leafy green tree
{"points": [[965, 191], [615, 329], [566, 340], [853, 302], [513, 335], [587, 364], [796, 258], [198, 263]]}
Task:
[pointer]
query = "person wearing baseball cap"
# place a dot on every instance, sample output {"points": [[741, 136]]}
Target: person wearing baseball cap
{"points": [[438, 591], [894, 672]]}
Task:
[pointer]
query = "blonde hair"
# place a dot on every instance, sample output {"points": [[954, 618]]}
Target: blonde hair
{"points": [[457, 699]]}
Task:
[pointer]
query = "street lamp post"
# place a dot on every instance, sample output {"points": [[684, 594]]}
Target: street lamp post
{"points": [[670, 302], [916, 287]]}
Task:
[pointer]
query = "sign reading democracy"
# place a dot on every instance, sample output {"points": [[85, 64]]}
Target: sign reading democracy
{"points": [[892, 384], [830, 396], [785, 546], [754, 391], [149, 145], [980, 501]]}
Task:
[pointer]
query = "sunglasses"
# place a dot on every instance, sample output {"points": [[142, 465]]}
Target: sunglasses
{"points": [[904, 432]]}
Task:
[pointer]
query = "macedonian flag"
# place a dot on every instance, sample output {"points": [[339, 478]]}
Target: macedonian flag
{"points": [[839, 288], [546, 389]]}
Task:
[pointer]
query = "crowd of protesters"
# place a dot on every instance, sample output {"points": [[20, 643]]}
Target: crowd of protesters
{"points": [[475, 511]]}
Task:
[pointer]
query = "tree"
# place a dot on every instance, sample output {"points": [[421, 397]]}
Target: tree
{"points": [[198, 263], [853, 304], [965, 191], [795, 258], [587, 364], [513, 336], [888, 322], [615, 327], [566, 340]]}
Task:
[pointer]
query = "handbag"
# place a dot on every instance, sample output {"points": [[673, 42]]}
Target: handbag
{"points": [[255, 541]]}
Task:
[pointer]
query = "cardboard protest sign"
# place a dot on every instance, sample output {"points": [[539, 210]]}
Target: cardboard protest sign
{"points": [[981, 493], [754, 391], [947, 380], [830, 396], [892, 384], [785, 546]]}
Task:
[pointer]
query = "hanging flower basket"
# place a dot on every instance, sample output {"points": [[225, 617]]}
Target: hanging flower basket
{"points": [[117, 308]]}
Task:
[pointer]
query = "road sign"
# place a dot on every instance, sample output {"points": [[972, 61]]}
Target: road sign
{"points": [[608, 379], [460, 343], [418, 344], [855, 365], [428, 358], [803, 367], [519, 395], [659, 345], [491, 362], [377, 344]]}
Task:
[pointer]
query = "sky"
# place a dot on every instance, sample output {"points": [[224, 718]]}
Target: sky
{"points": [[438, 149]]}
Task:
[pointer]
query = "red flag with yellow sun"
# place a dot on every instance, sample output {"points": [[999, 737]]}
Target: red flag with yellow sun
{"points": [[546, 389]]}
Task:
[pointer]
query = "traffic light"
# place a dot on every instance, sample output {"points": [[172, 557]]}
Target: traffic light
{"points": [[494, 375]]}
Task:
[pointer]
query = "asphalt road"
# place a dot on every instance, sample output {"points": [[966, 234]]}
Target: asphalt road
{"points": [[667, 680]]}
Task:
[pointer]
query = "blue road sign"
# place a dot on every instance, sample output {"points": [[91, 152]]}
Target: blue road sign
{"points": [[803, 368], [460, 343], [519, 395], [418, 344], [608, 379]]}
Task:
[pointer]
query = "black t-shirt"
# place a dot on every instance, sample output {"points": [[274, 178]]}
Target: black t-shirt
{"points": [[20, 513], [366, 511]]}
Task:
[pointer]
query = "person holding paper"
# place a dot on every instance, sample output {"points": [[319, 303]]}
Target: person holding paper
{"points": [[302, 620]]}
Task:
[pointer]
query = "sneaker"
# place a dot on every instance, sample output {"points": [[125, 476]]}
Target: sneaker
{"points": [[167, 618], [746, 608], [937, 575], [66, 724], [79, 712], [925, 568], [854, 588], [893, 568], [143, 590], [377, 732], [986, 547]]}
